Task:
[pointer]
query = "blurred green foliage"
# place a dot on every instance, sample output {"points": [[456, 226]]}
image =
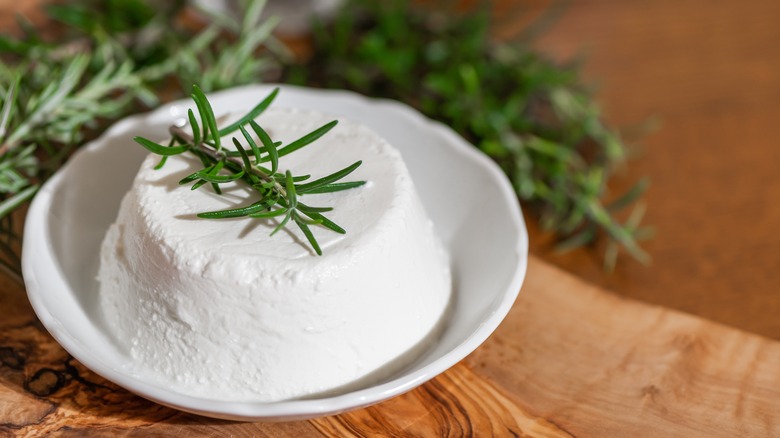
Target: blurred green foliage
{"points": [[109, 59], [531, 115]]}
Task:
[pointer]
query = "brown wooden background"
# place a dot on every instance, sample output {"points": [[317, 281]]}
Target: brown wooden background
{"points": [[709, 71]]}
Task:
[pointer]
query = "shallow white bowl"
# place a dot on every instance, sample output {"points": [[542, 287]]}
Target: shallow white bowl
{"points": [[466, 195]]}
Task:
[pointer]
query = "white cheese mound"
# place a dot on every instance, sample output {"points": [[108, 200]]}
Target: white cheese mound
{"points": [[220, 309]]}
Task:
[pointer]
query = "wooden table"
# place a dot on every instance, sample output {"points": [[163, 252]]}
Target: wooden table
{"points": [[710, 73], [571, 359]]}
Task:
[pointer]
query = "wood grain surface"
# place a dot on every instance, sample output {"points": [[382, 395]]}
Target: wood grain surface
{"points": [[571, 359], [709, 73]]}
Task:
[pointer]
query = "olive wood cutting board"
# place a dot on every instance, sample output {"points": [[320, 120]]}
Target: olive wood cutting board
{"points": [[569, 360]]}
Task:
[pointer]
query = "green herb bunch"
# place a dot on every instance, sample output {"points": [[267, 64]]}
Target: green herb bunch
{"points": [[279, 193], [110, 58], [115, 57], [530, 115]]}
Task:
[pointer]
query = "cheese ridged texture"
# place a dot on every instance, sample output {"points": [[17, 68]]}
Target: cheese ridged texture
{"points": [[220, 309]]}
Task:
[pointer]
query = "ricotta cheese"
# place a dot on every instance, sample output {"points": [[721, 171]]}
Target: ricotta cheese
{"points": [[220, 309]]}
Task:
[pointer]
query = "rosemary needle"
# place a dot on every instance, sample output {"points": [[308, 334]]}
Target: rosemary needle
{"points": [[279, 194]]}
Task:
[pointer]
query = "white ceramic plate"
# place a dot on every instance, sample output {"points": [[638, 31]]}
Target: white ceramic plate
{"points": [[466, 195]]}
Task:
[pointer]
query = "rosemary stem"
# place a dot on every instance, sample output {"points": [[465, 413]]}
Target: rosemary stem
{"points": [[217, 156]]}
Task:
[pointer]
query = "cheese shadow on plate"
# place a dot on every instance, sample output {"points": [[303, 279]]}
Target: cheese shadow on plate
{"points": [[406, 361]]}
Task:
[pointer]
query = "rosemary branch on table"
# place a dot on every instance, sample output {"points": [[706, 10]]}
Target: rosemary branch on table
{"points": [[279, 192], [532, 116], [110, 59]]}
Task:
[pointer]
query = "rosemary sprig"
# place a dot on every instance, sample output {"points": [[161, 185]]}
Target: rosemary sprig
{"points": [[279, 193], [109, 60], [532, 116]]}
